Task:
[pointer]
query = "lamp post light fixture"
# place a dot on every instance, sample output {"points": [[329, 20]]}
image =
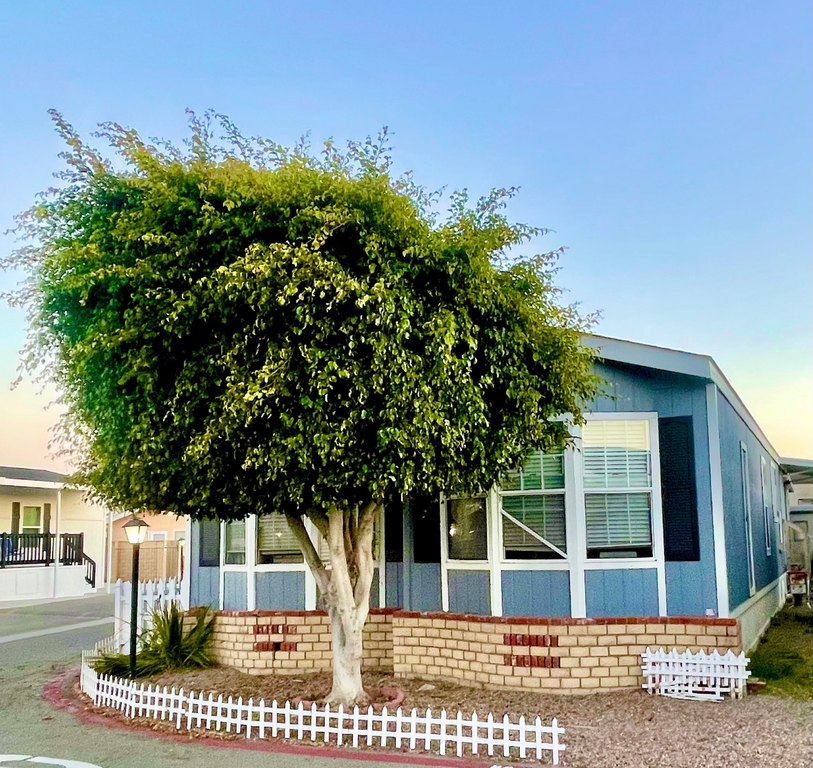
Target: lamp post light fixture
{"points": [[136, 532]]}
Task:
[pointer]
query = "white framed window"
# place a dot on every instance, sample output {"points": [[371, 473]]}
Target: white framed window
{"points": [[235, 542], [276, 542], [776, 494], [618, 488], [532, 509], [467, 528], [158, 536], [767, 502], [745, 478], [31, 520]]}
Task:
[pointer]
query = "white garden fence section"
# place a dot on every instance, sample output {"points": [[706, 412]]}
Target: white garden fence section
{"points": [[441, 733], [687, 675], [152, 596]]}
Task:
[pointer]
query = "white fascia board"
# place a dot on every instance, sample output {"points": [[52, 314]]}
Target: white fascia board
{"points": [[647, 356], [9, 482], [676, 361]]}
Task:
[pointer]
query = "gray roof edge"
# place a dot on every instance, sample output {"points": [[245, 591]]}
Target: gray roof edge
{"points": [[32, 475], [678, 361]]}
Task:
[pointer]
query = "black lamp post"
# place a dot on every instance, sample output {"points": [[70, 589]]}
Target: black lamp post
{"points": [[136, 531]]}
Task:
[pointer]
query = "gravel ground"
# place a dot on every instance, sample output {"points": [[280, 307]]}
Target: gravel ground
{"points": [[603, 730]]}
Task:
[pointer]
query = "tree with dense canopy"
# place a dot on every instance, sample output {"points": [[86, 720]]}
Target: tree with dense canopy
{"points": [[240, 328]]}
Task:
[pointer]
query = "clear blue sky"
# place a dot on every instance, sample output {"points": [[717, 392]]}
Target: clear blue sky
{"points": [[667, 144]]}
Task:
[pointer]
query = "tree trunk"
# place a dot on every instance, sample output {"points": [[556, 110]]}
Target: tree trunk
{"points": [[347, 655], [345, 589]]}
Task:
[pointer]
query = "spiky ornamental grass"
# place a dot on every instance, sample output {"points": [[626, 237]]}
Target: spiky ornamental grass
{"points": [[165, 646]]}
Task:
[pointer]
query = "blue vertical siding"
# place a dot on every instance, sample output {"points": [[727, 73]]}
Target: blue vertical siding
{"points": [[424, 587], [536, 593], [280, 590], [204, 583], [691, 587], [623, 592], [767, 568], [394, 573], [234, 591], [469, 592]]}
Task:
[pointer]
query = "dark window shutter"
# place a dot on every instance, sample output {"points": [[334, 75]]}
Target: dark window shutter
{"points": [[209, 543], [15, 516], [394, 530], [681, 541], [425, 510], [46, 518]]}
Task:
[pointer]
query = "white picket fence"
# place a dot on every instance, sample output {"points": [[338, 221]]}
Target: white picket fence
{"points": [[441, 733], [687, 675], [152, 596]]}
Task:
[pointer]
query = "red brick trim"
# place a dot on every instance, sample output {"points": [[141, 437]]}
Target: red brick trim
{"points": [[546, 662], [555, 621]]}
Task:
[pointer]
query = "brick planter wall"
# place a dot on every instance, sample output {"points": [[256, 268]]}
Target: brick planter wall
{"points": [[567, 655], [537, 653], [290, 642]]}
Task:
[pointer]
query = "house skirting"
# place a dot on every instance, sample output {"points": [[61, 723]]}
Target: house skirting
{"points": [[755, 614], [566, 655], [33, 582]]}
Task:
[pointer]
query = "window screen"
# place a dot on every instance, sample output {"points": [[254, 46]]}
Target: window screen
{"points": [[618, 488], [467, 536], [276, 542], [209, 539], [236, 542], [533, 508]]}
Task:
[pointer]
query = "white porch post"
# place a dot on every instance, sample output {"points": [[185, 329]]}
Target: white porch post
{"points": [[56, 539], [108, 566]]}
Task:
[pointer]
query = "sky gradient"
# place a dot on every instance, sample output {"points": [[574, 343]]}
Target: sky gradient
{"points": [[667, 145]]}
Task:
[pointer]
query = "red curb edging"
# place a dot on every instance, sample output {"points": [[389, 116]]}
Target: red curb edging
{"points": [[55, 692]]}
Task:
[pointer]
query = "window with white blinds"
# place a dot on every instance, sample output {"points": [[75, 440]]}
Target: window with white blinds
{"points": [[276, 542], [617, 460], [235, 542], [533, 508]]}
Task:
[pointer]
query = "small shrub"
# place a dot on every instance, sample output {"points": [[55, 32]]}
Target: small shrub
{"points": [[165, 646]]}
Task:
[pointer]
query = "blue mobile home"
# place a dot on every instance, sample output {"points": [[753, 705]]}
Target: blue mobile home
{"points": [[669, 502]]}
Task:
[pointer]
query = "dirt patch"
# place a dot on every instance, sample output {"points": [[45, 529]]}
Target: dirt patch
{"points": [[612, 730]]}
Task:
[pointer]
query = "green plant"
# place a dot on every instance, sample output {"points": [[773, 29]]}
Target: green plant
{"points": [[165, 646]]}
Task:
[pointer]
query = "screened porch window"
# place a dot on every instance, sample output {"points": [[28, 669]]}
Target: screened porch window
{"points": [[618, 488], [467, 528], [276, 542], [533, 509]]}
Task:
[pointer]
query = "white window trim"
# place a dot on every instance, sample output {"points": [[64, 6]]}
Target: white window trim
{"points": [[39, 506], [776, 496], [745, 482], [576, 562], [767, 503], [540, 562], [658, 559]]}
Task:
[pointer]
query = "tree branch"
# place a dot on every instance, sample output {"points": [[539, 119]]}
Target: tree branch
{"points": [[340, 578], [319, 519], [364, 553], [312, 558]]}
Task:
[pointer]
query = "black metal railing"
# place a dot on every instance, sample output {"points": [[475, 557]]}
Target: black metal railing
{"points": [[90, 570], [39, 548]]}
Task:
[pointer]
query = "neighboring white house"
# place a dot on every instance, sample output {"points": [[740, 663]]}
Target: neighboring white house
{"points": [[40, 514]]}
